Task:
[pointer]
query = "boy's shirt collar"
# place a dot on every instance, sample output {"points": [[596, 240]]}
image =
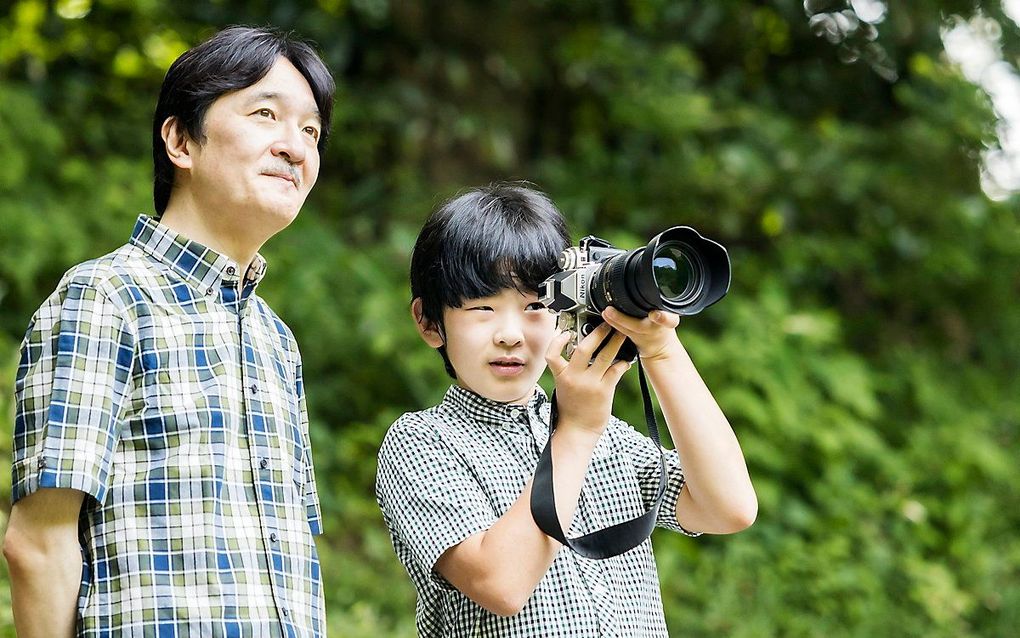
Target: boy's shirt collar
{"points": [[494, 413]]}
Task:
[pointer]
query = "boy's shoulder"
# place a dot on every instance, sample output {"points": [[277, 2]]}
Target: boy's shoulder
{"points": [[414, 423], [417, 429], [450, 425]]}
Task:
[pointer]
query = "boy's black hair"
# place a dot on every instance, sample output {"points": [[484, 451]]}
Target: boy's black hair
{"points": [[233, 59], [504, 235]]}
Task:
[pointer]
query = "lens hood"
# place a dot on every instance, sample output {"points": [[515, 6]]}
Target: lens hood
{"points": [[698, 271]]}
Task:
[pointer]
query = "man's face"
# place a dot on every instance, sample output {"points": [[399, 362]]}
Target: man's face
{"points": [[497, 344], [259, 158]]}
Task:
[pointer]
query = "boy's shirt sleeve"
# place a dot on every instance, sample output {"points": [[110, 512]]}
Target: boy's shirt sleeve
{"points": [[645, 455], [429, 495], [73, 383]]}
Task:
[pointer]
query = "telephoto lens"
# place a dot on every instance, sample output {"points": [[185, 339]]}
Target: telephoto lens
{"points": [[678, 271]]}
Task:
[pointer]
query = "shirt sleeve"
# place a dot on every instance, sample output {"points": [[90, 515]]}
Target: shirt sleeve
{"points": [[646, 461], [428, 494], [72, 386], [311, 494]]}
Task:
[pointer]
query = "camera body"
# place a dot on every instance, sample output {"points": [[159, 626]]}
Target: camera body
{"points": [[678, 271]]}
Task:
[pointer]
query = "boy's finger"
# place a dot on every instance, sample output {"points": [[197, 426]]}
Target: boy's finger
{"points": [[607, 355], [554, 353], [621, 320], [586, 348], [616, 372], [668, 319]]}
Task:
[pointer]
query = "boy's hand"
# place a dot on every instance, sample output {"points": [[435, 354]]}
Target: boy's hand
{"points": [[585, 386], [654, 336]]}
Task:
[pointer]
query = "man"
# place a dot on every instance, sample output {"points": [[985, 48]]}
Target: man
{"points": [[162, 475]]}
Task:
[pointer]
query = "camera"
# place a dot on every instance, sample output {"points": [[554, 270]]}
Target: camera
{"points": [[679, 271]]}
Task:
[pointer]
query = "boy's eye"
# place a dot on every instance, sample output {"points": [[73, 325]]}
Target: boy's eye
{"points": [[480, 308], [535, 305]]}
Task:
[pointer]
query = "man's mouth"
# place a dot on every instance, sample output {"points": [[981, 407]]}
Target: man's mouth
{"points": [[290, 177]]}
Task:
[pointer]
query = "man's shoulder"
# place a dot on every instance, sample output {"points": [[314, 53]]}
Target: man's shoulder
{"points": [[111, 275], [123, 267]]}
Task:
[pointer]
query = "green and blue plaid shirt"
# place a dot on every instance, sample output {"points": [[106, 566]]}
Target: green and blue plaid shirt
{"points": [[154, 380]]}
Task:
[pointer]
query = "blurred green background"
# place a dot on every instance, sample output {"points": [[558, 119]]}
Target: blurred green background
{"points": [[867, 354]]}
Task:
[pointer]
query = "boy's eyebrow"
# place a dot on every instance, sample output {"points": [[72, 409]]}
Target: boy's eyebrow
{"points": [[275, 96]]}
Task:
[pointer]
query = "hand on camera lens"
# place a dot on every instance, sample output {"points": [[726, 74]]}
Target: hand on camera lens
{"points": [[585, 385], [654, 335]]}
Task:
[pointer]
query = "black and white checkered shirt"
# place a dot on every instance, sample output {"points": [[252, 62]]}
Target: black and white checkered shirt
{"points": [[451, 471]]}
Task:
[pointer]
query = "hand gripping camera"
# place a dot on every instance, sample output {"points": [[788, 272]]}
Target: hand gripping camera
{"points": [[678, 271]]}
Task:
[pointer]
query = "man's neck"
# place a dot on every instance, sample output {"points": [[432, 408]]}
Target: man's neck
{"points": [[214, 232]]}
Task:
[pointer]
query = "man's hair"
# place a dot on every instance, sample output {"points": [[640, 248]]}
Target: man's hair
{"points": [[233, 59], [480, 242]]}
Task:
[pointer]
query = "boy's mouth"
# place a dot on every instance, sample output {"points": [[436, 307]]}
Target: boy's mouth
{"points": [[507, 366]]}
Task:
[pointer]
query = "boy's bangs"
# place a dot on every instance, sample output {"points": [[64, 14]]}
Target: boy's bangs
{"points": [[490, 258]]}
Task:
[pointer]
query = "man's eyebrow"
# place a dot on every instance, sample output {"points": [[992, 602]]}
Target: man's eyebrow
{"points": [[274, 96]]}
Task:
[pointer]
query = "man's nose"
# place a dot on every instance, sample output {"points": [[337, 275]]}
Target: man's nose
{"points": [[290, 145]]}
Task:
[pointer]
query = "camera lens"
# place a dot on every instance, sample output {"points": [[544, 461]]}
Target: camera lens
{"points": [[677, 271]]}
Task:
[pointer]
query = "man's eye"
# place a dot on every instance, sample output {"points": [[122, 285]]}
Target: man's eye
{"points": [[312, 131], [266, 113]]}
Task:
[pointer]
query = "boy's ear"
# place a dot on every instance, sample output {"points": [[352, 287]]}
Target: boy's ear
{"points": [[175, 138], [428, 330]]}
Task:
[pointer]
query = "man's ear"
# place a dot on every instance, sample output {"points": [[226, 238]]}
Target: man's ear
{"points": [[176, 139], [428, 330]]}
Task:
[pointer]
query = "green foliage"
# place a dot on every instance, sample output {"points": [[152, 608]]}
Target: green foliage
{"points": [[867, 352]]}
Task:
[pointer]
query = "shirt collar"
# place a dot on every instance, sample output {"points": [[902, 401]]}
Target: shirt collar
{"points": [[492, 412], [202, 267]]}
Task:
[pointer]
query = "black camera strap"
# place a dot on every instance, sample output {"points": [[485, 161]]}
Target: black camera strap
{"points": [[613, 540]]}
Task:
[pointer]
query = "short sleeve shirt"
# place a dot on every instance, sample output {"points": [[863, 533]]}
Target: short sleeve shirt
{"points": [[158, 383], [452, 471]]}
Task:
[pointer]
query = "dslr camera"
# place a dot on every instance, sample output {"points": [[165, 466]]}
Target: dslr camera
{"points": [[679, 271]]}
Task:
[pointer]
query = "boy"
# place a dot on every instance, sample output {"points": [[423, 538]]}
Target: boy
{"points": [[454, 481]]}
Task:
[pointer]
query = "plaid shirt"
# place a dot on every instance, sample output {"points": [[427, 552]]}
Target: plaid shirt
{"points": [[451, 471], [155, 381]]}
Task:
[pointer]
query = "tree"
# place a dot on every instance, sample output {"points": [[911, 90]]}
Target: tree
{"points": [[866, 353]]}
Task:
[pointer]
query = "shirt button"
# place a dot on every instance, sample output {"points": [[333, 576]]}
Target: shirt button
{"points": [[210, 292], [231, 270], [263, 463], [42, 463], [286, 612], [273, 537], [599, 590], [254, 388]]}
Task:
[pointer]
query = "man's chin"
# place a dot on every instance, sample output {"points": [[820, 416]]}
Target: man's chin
{"points": [[275, 218]]}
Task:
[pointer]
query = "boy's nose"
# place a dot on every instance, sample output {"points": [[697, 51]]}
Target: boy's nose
{"points": [[509, 334]]}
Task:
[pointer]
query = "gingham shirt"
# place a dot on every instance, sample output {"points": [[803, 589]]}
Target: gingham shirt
{"points": [[451, 471], [154, 380]]}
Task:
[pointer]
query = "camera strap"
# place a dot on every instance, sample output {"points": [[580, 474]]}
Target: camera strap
{"points": [[613, 540]]}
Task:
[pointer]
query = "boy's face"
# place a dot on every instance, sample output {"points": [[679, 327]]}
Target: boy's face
{"points": [[497, 344]]}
